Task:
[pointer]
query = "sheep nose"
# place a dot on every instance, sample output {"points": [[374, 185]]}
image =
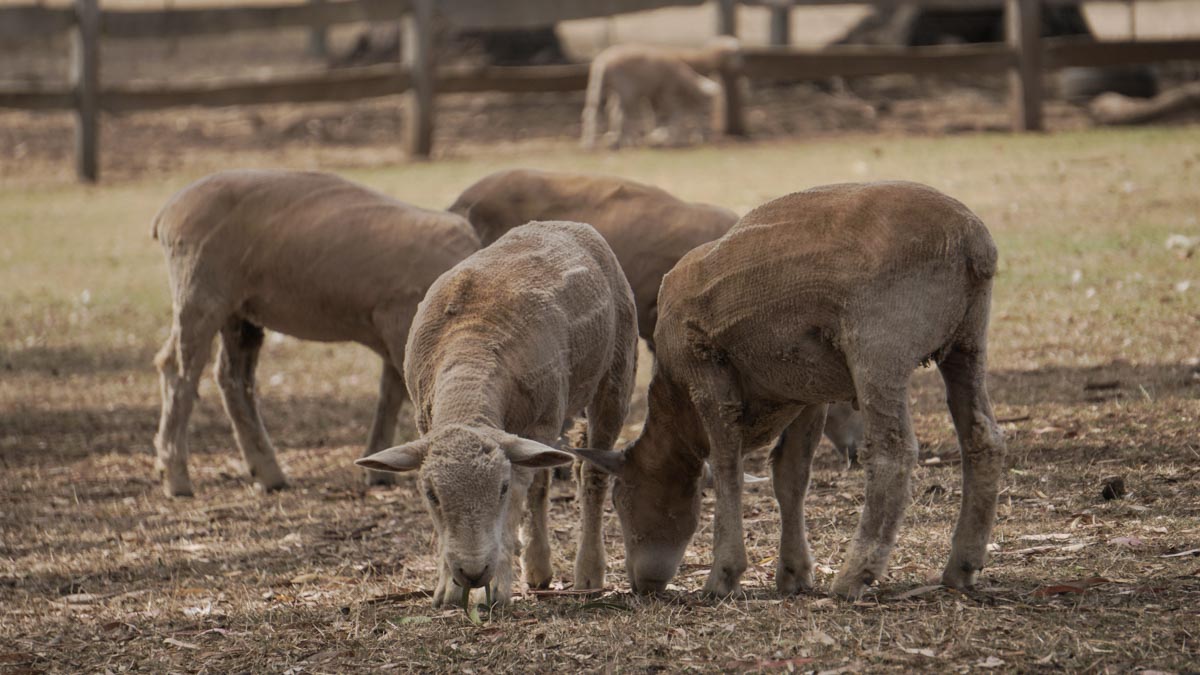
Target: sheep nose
{"points": [[472, 578]]}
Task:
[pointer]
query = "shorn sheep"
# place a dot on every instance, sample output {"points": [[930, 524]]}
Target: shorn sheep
{"points": [[664, 82], [306, 254], [648, 229], [833, 294], [506, 350]]}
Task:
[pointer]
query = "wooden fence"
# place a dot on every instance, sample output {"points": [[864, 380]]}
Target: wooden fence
{"points": [[1025, 56]]}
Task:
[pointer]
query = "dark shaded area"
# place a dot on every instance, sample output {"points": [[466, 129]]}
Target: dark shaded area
{"points": [[915, 26], [50, 435], [923, 26], [74, 360]]}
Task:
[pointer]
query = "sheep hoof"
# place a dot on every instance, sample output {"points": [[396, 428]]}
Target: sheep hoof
{"points": [[852, 586], [959, 576], [722, 583], [586, 580], [274, 486], [175, 483], [792, 581], [177, 489]]}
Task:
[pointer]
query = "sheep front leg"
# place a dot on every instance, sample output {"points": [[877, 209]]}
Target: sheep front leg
{"points": [[729, 546], [791, 464], [889, 456], [535, 554]]}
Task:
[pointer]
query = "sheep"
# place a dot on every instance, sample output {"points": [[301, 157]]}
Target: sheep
{"points": [[665, 81], [648, 228], [507, 348], [306, 254], [832, 294]]}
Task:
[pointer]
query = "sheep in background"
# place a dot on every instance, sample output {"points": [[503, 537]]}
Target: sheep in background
{"points": [[665, 82]]}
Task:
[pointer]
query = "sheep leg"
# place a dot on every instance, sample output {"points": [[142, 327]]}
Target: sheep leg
{"points": [[392, 395], [618, 129], [535, 554], [729, 545], [982, 445], [590, 112], [889, 456], [180, 364], [518, 493], [237, 358], [605, 414], [791, 464]]}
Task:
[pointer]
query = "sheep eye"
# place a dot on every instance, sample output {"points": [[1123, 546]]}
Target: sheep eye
{"points": [[432, 497], [503, 488]]}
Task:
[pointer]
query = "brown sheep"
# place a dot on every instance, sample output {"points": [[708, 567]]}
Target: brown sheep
{"points": [[832, 294], [306, 254]]}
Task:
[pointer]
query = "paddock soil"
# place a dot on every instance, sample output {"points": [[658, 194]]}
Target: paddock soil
{"points": [[1094, 371]]}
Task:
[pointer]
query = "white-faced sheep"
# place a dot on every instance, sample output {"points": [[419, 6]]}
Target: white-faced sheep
{"points": [[306, 254], [833, 294], [507, 348], [665, 83], [648, 229]]}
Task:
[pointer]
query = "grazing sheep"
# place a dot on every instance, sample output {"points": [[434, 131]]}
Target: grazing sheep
{"points": [[832, 294], [506, 350], [648, 229], [306, 254], [665, 82]]}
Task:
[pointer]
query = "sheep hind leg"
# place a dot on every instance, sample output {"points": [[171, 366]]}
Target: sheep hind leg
{"points": [[180, 364], [392, 395], [791, 466], [888, 457], [241, 342], [982, 446]]}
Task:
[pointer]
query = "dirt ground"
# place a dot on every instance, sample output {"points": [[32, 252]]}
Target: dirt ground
{"points": [[1094, 372]]}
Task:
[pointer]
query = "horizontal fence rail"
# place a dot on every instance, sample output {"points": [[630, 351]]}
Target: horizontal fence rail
{"points": [[1026, 56]]}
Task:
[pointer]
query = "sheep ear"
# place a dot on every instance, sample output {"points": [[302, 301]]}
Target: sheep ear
{"points": [[407, 457], [609, 461], [534, 455]]}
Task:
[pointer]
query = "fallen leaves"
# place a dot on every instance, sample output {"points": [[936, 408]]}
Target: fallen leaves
{"points": [[181, 643], [1070, 587]]}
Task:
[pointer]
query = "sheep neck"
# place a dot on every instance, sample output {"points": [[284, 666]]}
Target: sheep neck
{"points": [[468, 392], [673, 443]]}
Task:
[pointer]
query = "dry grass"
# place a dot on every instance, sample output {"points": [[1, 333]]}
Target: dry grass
{"points": [[1094, 358]]}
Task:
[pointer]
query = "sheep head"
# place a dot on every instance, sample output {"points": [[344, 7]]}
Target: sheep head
{"points": [[659, 511], [465, 473]]}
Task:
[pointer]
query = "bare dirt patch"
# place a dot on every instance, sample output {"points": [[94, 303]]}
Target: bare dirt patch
{"points": [[1094, 365]]}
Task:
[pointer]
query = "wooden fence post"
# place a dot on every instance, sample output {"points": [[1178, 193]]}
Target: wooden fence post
{"points": [[1023, 21], [416, 41], [735, 122], [318, 37], [85, 83], [781, 25]]}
